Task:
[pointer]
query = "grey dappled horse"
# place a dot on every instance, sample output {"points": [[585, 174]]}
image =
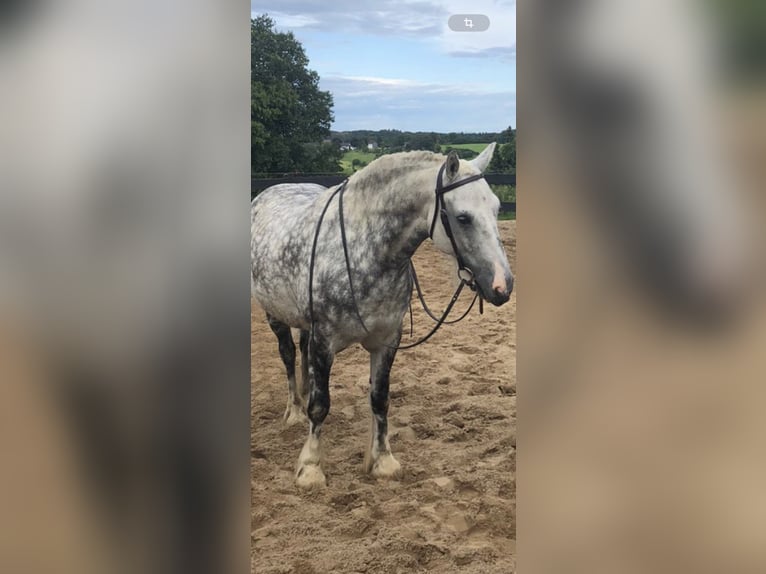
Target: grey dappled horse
{"points": [[388, 210]]}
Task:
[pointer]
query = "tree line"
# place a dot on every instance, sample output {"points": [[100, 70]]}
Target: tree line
{"points": [[392, 141], [398, 139]]}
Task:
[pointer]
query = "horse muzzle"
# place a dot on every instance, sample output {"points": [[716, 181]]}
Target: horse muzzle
{"points": [[495, 291]]}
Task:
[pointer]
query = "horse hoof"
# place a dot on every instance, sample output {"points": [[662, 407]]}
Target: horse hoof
{"points": [[293, 415], [310, 477], [387, 467]]}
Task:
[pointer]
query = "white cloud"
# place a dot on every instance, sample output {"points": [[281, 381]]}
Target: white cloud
{"points": [[367, 85], [498, 41], [382, 17], [423, 19], [293, 20], [378, 81], [364, 102]]}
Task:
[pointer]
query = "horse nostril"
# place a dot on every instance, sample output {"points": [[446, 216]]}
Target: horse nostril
{"points": [[502, 294]]}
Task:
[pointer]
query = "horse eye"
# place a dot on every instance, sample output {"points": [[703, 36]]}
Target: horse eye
{"points": [[463, 219]]}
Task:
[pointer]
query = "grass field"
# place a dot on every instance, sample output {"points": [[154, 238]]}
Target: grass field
{"points": [[349, 156], [477, 147]]}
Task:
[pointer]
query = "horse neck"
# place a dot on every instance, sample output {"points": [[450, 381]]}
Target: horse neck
{"points": [[395, 211]]}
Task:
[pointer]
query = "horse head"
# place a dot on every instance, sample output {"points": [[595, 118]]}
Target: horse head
{"points": [[470, 214]]}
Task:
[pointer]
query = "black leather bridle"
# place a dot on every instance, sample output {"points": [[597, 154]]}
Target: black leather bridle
{"points": [[441, 210]]}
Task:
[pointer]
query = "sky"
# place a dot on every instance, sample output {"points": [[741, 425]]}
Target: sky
{"points": [[395, 64]]}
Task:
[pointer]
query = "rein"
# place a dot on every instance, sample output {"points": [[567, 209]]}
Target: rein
{"points": [[439, 208]]}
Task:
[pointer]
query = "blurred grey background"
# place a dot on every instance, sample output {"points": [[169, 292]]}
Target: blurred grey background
{"points": [[640, 286], [124, 300]]}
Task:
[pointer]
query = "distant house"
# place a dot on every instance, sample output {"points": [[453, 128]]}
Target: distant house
{"points": [[345, 146], [372, 145]]}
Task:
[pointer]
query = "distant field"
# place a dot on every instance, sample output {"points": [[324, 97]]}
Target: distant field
{"points": [[477, 147], [349, 156]]}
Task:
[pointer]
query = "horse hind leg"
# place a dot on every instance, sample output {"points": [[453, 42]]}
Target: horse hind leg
{"points": [[378, 459], [293, 412]]}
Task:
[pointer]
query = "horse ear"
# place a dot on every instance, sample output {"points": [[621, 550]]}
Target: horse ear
{"points": [[481, 161], [453, 165]]}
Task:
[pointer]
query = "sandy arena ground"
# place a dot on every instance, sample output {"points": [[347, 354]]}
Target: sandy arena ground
{"points": [[452, 426]]}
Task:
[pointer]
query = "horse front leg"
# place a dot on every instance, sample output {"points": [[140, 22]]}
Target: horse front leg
{"points": [[378, 459], [305, 383], [308, 473]]}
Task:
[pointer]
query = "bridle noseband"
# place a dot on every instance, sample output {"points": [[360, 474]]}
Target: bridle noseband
{"points": [[440, 209]]}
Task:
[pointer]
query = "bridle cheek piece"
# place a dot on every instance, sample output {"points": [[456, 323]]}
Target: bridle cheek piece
{"points": [[441, 209]]}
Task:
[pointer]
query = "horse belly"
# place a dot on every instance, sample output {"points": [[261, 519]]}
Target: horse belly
{"points": [[279, 294], [382, 320]]}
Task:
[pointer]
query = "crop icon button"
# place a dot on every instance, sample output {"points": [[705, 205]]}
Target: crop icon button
{"points": [[468, 23]]}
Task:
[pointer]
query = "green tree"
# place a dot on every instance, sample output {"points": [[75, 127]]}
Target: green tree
{"points": [[461, 153], [504, 160], [289, 114], [507, 135], [423, 140]]}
